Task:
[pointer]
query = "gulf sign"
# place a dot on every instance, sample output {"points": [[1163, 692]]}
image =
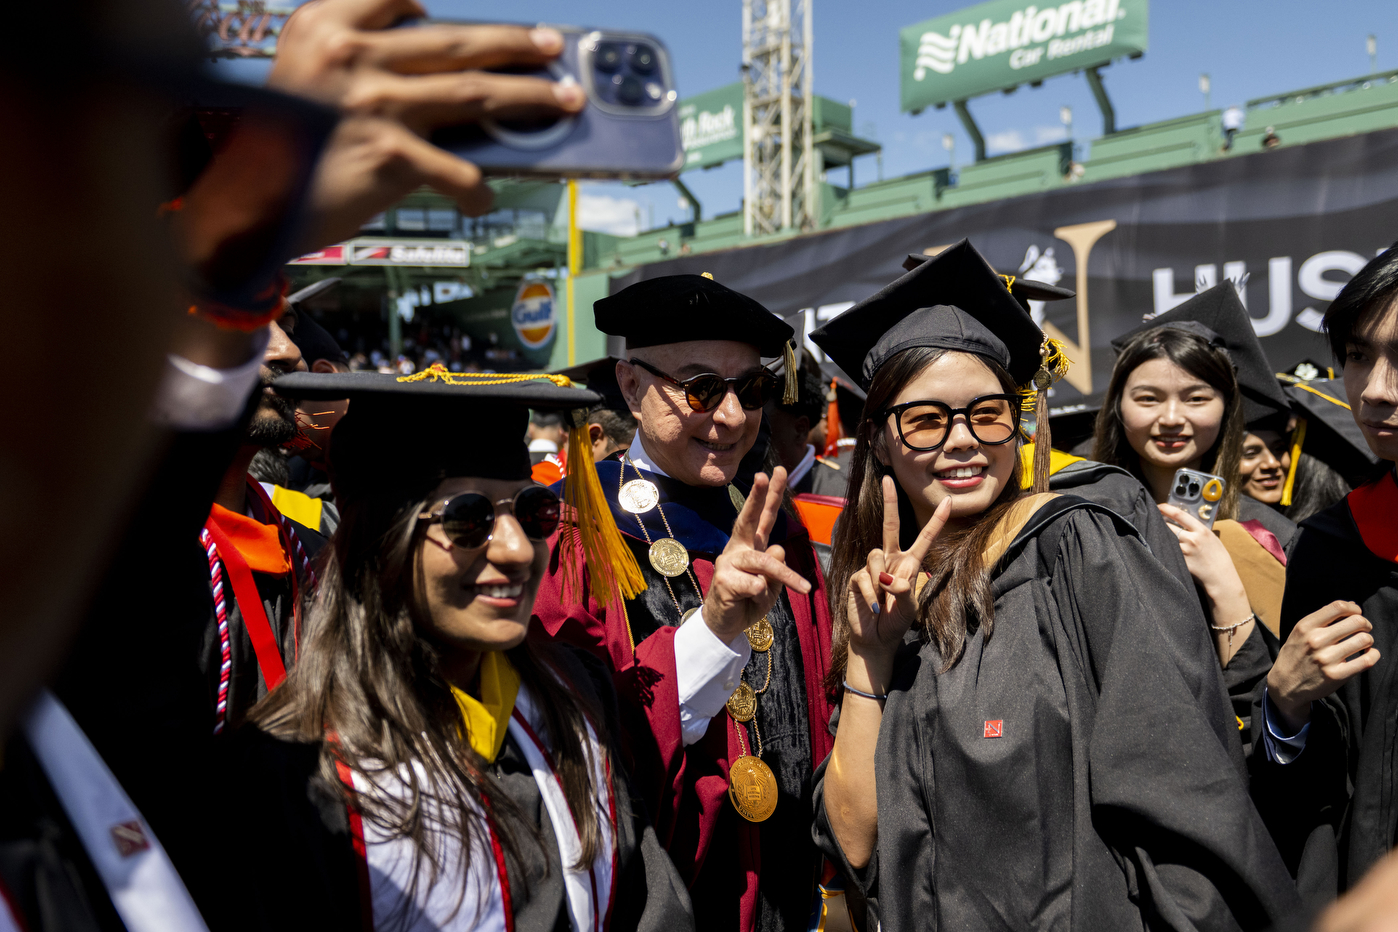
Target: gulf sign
{"points": [[533, 313]]}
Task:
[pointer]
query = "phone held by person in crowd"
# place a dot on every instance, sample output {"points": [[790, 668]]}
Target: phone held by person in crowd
{"points": [[628, 130], [1197, 493]]}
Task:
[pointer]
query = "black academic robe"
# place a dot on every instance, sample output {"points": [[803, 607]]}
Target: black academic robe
{"points": [[1067, 772], [1283, 528], [1332, 810], [292, 864], [825, 477]]}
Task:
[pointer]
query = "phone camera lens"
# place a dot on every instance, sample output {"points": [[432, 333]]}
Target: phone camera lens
{"points": [[630, 91], [608, 58], [643, 59]]}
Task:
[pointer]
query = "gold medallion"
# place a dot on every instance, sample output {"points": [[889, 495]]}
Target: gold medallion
{"points": [[742, 705], [760, 634], [686, 616], [638, 496], [737, 498], [752, 788], [669, 557]]}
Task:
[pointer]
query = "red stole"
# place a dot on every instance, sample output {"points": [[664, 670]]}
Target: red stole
{"points": [[1374, 508]]}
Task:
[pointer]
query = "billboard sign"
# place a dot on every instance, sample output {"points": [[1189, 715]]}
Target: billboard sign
{"points": [[419, 253], [534, 313], [711, 127], [1288, 228], [1004, 43]]}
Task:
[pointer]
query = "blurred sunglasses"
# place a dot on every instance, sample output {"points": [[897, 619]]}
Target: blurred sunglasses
{"points": [[706, 391], [925, 425], [468, 519]]}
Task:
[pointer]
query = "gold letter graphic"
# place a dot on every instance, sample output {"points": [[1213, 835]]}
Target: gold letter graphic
{"points": [[1081, 237]]}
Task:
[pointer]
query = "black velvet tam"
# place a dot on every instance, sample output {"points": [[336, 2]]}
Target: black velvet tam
{"points": [[681, 308], [952, 301]]}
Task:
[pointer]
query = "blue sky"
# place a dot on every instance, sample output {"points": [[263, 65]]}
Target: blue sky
{"points": [[1250, 48]]}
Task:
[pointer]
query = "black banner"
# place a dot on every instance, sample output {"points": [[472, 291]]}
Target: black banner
{"points": [[1289, 226]]}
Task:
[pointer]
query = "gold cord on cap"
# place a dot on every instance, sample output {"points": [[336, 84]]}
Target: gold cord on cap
{"points": [[440, 373], [708, 275], [1053, 365], [1297, 438]]}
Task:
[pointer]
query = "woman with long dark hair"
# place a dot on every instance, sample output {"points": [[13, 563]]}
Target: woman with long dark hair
{"points": [[1187, 388], [1023, 741], [427, 765]]}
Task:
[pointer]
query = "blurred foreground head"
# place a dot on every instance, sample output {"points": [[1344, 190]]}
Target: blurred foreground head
{"points": [[89, 303]]}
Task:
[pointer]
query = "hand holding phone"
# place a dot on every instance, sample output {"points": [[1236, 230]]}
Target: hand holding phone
{"points": [[1197, 493]]}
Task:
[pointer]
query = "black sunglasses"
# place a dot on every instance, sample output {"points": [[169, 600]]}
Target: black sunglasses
{"points": [[925, 425], [468, 519], [705, 391]]}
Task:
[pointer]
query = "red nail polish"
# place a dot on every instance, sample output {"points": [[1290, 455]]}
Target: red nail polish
{"points": [[885, 579]]}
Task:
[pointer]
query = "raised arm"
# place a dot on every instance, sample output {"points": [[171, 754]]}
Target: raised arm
{"points": [[880, 606]]}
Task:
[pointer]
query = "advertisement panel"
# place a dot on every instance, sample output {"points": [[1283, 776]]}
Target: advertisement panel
{"points": [[1288, 228], [420, 253], [1005, 43], [711, 126], [533, 313]]}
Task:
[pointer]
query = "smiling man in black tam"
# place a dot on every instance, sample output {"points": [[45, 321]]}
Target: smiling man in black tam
{"points": [[720, 660]]}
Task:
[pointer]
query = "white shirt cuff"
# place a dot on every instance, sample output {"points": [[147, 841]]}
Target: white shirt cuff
{"points": [[1280, 748], [707, 670], [195, 397]]}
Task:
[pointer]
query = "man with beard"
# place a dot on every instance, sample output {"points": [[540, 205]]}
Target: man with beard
{"points": [[259, 561]]}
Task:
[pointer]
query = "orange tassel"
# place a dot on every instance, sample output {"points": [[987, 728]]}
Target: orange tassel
{"points": [[594, 539]]}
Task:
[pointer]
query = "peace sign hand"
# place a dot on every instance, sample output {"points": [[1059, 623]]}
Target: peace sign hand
{"points": [[882, 602], [749, 575]]}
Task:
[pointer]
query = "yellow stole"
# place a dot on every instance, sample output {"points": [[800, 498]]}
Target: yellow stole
{"points": [[488, 718]]}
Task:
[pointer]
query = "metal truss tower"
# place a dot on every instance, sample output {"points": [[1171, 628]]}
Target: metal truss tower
{"points": [[779, 161]]}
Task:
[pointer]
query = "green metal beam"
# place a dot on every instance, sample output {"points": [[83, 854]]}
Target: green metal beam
{"points": [[693, 201], [972, 129], [1104, 103]]}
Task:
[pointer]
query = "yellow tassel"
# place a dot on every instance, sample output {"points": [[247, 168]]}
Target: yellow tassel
{"points": [[594, 540], [1034, 397], [1298, 438], [792, 392]]}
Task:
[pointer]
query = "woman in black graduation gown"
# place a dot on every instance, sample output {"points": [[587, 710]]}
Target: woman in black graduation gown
{"points": [[427, 765], [1019, 746]]}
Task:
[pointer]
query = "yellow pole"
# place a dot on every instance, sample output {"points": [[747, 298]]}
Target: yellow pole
{"points": [[574, 263]]}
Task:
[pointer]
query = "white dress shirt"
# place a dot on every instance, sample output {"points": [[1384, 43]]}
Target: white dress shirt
{"points": [[799, 471], [1280, 748], [707, 669]]}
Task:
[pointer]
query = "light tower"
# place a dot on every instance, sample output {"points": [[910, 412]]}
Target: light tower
{"points": [[779, 162]]}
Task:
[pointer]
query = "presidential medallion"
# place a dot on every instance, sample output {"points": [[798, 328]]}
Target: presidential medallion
{"points": [[742, 705], [760, 634], [669, 557], [688, 613], [638, 496], [752, 788]]}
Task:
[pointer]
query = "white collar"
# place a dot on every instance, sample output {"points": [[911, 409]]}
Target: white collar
{"points": [[540, 445], [801, 468], [641, 459]]}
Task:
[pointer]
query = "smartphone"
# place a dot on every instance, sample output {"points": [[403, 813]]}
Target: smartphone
{"points": [[1197, 493], [628, 130]]}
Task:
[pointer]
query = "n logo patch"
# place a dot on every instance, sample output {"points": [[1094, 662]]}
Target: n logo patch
{"points": [[994, 728]]}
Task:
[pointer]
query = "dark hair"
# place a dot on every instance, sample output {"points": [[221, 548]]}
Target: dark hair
{"points": [[957, 599], [369, 676], [1199, 358], [1315, 488], [617, 423], [1370, 289]]}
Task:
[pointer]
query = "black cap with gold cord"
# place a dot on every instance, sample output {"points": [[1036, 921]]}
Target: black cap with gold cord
{"points": [[956, 301]]}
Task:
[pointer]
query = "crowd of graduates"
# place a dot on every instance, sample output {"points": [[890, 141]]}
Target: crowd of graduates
{"points": [[642, 645]]}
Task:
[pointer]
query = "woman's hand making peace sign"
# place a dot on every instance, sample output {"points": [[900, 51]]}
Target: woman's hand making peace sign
{"points": [[882, 599]]}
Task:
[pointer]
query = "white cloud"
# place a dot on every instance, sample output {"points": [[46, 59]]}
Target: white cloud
{"points": [[1008, 141], [602, 213]]}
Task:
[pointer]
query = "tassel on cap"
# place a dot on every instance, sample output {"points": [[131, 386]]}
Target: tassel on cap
{"points": [[791, 393], [594, 538], [1054, 364], [1298, 438]]}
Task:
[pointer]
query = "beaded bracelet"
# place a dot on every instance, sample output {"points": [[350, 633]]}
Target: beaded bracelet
{"points": [[860, 692], [1231, 628]]}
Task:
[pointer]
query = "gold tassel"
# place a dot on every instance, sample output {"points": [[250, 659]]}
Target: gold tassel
{"points": [[1297, 438], [792, 392], [595, 541], [1053, 366]]}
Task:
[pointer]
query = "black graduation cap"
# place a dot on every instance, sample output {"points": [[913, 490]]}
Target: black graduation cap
{"points": [[953, 301], [1075, 424], [1331, 434], [599, 375], [680, 308], [413, 431], [1023, 289], [1218, 316], [313, 340]]}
